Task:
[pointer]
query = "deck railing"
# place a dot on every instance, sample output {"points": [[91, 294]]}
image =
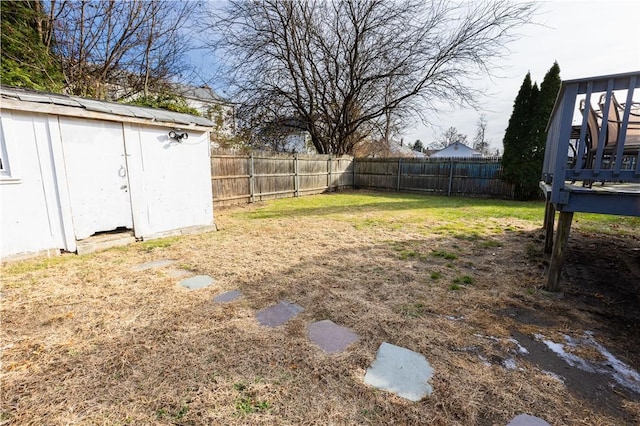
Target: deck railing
{"points": [[594, 133]]}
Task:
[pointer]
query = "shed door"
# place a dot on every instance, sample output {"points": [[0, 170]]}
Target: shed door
{"points": [[97, 176]]}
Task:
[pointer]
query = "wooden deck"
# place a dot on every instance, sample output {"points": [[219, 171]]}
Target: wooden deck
{"points": [[606, 179]]}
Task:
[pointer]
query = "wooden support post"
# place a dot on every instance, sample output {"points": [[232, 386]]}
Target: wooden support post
{"points": [[559, 246], [399, 174], [549, 219]]}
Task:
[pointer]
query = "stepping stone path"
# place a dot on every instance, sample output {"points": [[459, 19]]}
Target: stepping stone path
{"points": [[330, 336], [161, 263], [527, 420], [276, 315], [401, 371], [228, 296], [396, 369], [199, 281]]}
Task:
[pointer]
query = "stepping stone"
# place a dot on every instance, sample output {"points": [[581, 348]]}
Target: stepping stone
{"points": [[401, 371], [199, 281], [330, 336], [228, 296], [179, 273], [276, 315], [154, 264], [527, 420]]}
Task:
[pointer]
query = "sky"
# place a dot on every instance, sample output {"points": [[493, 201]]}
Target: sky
{"points": [[586, 38]]}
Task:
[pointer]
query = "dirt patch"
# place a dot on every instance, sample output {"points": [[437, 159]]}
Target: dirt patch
{"points": [[600, 298], [86, 340]]}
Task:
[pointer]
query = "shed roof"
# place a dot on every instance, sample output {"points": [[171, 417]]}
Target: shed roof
{"points": [[104, 109]]}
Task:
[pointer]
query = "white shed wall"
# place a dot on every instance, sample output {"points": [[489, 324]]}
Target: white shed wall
{"points": [[31, 219], [65, 175], [170, 180]]}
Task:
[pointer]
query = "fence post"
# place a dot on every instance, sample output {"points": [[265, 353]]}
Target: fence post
{"points": [[451, 164], [251, 179], [353, 173], [399, 173], [296, 183], [330, 177]]}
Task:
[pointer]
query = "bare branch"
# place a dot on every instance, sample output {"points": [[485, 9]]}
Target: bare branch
{"points": [[350, 70]]}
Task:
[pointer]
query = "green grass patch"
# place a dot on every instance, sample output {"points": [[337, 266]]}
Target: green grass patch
{"points": [[489, 243], [455, 287], [409, 254], [606, 224], [37, 264], [436, 275], [151, 245], [463, 218], [176, 415], [444, 254], [247, 403], [465, 280]]}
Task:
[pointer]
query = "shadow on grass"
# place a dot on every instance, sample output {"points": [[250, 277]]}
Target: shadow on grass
{"points": [[178, 356]]}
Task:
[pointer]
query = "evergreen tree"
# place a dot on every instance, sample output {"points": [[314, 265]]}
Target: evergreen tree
{"points": [[517, 133], [525, 137], [548, 92], [26, 59]]}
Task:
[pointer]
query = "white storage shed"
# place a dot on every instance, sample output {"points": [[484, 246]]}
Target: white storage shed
{"points": [[71, 168]]}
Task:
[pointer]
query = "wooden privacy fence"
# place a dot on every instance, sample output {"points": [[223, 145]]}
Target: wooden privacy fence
{"points": [[473, 177], [238, 179]]}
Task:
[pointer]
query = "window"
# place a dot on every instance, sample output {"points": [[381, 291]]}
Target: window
{"points": [[4, 165]]}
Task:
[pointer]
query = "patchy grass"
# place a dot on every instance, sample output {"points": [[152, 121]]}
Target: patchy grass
{"points": [[87, 341], [465, 280], [444, 254], [160, 243]]}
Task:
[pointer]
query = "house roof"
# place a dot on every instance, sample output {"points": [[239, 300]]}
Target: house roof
{"points": [[457, 149], [31, 100], [395, 149], [200, 93]]}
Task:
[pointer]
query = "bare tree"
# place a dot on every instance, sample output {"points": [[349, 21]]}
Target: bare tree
{"points": [[343, 67], [451, 135], [131, 44], [480, 141]]}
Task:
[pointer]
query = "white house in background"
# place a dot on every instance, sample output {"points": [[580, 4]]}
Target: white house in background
{"points": [[456, 149], [73, 167], [399, 149], [299, 142], [220, 111]]}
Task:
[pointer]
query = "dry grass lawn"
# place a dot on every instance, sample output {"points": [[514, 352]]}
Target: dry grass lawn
{"points": [[87, 340]]}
